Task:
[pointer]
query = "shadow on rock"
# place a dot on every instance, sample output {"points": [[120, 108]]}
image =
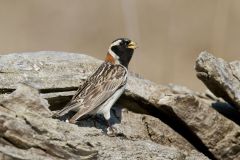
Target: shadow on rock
{"points": [[228, 111], [97, 121]]}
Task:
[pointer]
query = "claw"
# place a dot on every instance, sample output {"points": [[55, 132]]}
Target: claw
{"points": [[113, 130]]}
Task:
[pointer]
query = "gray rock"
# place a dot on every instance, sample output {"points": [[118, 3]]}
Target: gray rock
{"points": [[32, 102], [45, 70], [187, 112], [55, 72], [217, 133], [139, 126], [20, 115], [222, 78], [27, 132]]}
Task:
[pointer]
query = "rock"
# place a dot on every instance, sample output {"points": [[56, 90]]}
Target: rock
{"points": [[31, 100], [219, 134], [27, 132], [222, 78], [152, 108], [45, 70], [52, 72], [139, 126], [58, 99], [191, 114]]}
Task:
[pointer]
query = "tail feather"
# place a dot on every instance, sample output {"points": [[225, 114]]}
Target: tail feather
{"points": [[77, 116], [64, 111]]}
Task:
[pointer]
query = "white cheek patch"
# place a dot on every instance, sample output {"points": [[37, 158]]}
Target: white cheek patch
{"points": [[116, 57]]}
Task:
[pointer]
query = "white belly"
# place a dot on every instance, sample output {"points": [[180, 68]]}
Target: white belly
{"points": [[104, 109]]}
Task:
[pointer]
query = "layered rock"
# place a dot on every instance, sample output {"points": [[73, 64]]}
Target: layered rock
{"points": [[45, 70], [221, 77], [27, 131], [164, 122]]}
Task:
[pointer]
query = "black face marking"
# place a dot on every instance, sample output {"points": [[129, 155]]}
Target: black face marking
{"points": [[122, 51]]}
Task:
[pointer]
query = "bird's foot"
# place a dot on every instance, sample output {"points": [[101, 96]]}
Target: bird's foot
{"points": [[112, 131]]}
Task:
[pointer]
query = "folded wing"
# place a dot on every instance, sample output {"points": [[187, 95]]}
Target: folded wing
{"points": [[97, 89]]}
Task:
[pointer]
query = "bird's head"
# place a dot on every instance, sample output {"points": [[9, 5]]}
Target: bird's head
{"points": [[121, 51]]}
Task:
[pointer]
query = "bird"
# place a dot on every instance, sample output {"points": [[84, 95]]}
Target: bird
{"points": [[104, 87]]}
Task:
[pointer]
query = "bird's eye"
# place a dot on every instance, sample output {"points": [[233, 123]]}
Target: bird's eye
{"points": [[121, 43]]}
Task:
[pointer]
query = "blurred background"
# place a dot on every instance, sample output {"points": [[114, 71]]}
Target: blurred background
{"points": [[170, 33]]}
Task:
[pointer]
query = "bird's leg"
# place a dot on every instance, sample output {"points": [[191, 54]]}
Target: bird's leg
{"points": [[107, 120], [94, 121], [109, 125]]}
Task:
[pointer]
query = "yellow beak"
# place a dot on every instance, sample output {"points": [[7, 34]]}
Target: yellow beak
{"points": [[132, 45]]}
